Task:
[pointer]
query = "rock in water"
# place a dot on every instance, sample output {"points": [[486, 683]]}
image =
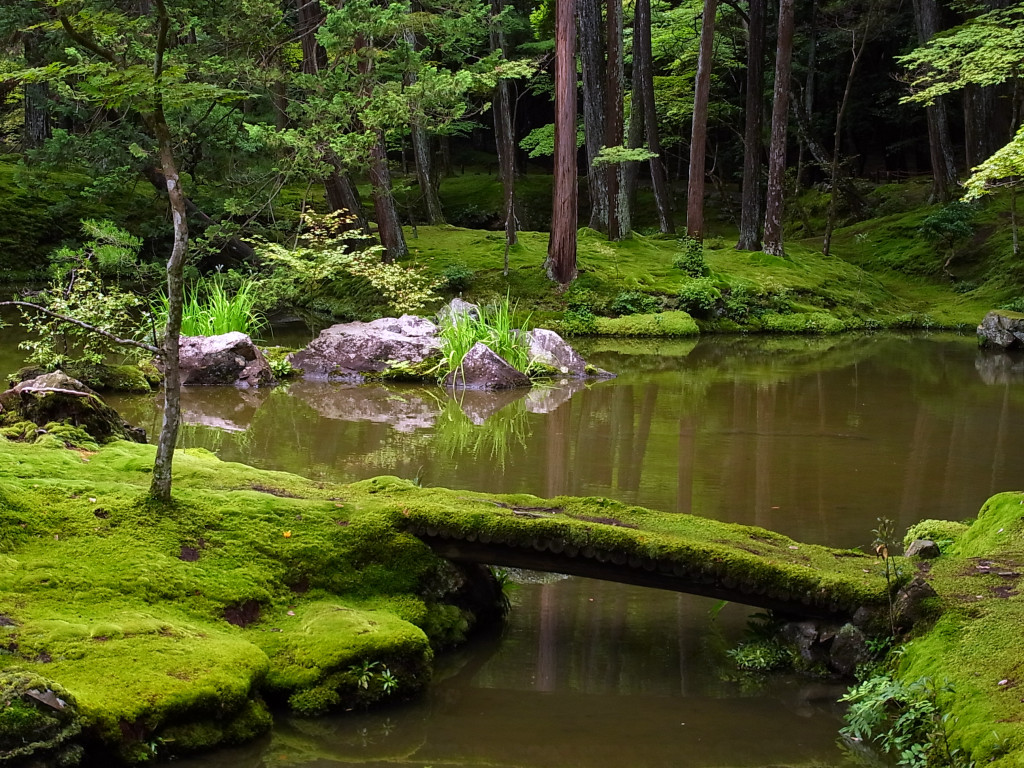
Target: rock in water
{"points": [[482, 369], [349, 351], [230, 359], [56, 397], [550, 349], [1003, 329]]}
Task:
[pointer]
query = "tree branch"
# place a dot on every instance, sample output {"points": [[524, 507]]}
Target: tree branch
{"points": [[87, 326], [86, 42]]}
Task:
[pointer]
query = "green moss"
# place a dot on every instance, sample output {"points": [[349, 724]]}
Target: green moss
{"points": [[34, 731], [999, 527], [935, 530], [809, 322], [676, 323]]}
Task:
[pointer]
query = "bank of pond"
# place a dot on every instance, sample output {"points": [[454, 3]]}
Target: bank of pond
{"points": [[138, 631]]}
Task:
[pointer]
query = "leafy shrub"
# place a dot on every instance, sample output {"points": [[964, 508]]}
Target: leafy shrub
{"points": [[739, 302], [690, 259], [498, 327], [699, 296], [457, 277], [209, 310], [763, 655], [634, 303], [1017, 305], [577, 322]]}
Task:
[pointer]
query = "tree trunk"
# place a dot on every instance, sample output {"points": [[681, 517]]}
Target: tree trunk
{"points": [[160, 488], [343, 195], [504, 137], [591, 57], [388, 225], [643, 86], [699, 128], [940, 143], [750, 196], [422, 155], [311, 16], [37, 97], [561, 260], [614, 93], [780, 121]]}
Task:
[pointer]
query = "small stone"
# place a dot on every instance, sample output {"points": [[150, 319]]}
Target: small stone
{"points": [[923, 548]]}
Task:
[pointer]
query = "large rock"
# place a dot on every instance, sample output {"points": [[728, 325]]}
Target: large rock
{"points": [[483, 369], [230, 359], [550, 349], [1003, 329], [56, 397], [349, 351]]}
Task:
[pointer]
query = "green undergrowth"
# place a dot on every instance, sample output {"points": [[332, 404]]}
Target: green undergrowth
{"points": [[175, 626], [970, 658]]}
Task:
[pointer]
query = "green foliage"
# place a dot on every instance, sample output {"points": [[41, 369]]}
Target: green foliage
{"points": [[690, 259], [699, 296], [620, 154], [498, 326], [950, 224], [457, 277], [903, 720], [634, 303], [540, 142], [210, 310], [82, 288], [580, 321], [673, 323], [761, 656]]}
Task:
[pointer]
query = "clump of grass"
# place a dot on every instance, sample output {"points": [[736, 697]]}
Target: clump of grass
{"points": [[209, 310], [498, 326]]}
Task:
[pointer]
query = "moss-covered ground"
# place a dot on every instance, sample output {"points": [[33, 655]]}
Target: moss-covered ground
{"points": [[172, 627], [973, 653]]}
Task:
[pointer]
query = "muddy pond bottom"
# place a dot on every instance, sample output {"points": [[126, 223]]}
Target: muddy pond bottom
{"points": [[584, 673]]}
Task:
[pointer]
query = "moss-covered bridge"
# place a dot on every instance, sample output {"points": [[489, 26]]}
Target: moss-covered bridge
{"points": [[602, 539]]}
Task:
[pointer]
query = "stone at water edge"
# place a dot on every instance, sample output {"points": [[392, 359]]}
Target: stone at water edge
{"points": [[56, 397], [229, 359], [483, 369], [348, 351], [550, 349], [1002, 329], [923, 548]]}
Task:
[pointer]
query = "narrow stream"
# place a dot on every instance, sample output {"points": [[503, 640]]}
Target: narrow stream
{"points": [[813, 437]]}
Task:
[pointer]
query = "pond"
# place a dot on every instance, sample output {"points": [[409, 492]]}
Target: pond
{"points": [[814, 437]]}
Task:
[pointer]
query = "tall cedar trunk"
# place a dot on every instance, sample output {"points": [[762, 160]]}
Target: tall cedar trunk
{"points": [[37, 97], [591, 58], [634, 136], [504, 138], [837, 139], [342, 195], [940, 143], [388, 225], [311, 16], [780, 120], [699, 128], [561, 261], [643, 84], [422, 155], [750, 197], [614, 93]]}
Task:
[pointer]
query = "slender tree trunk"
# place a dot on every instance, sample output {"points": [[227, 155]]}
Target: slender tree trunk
{"points": [[643, 100], [388, 225], [699, 127], [750, 196], [634, 136], [561, 261], [837, 138], [780, 121], [343, 195], [940, 143], [504, 137], [591, 58], [614, 92], [422, 155], [37, 98]]}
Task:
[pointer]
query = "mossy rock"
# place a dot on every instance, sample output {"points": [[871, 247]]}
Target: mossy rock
{"points": [[675, 323], [39, 721], [939, 531]]}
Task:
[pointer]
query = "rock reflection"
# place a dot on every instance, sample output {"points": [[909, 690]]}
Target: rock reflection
{"points": [[997, 368], [224, 408], [405, 408]]}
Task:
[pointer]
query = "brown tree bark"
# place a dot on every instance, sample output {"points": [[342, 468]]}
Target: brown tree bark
{"points": [[613, 121], [750, 195], [504, 137], [643, 101], [389, 228], [940, 143], [780, 121], [343, 195], [561, 260], [699, 127], [591, 64]]}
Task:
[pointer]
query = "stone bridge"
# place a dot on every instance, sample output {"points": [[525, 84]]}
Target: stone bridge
{"points": [[602, 539]]}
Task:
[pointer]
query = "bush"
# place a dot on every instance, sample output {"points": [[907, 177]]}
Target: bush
{"points": [[578, 322], [699, 296], [690, 259], [634, 303], [457, 277]]}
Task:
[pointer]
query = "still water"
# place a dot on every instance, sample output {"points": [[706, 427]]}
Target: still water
{"points": [[813, 437]]}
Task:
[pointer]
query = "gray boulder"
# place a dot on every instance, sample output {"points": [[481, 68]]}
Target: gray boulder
{"points": [[230, 359], [483, 369], [923, 548], [550, 349], [1002, 329], [457, 307], [349, 351], [56, 397], [849, 650]]}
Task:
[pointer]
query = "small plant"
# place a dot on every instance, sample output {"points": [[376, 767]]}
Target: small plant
{"points": [[1017, 305], [690, 259], [364, 672], [388, 681], [883, 544], [498, 327], [950, 225], [699, 297], [634, 303], [504, 581], [281, 368], [209, 310], [578, 322], [760, 656], [457, 277]]}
